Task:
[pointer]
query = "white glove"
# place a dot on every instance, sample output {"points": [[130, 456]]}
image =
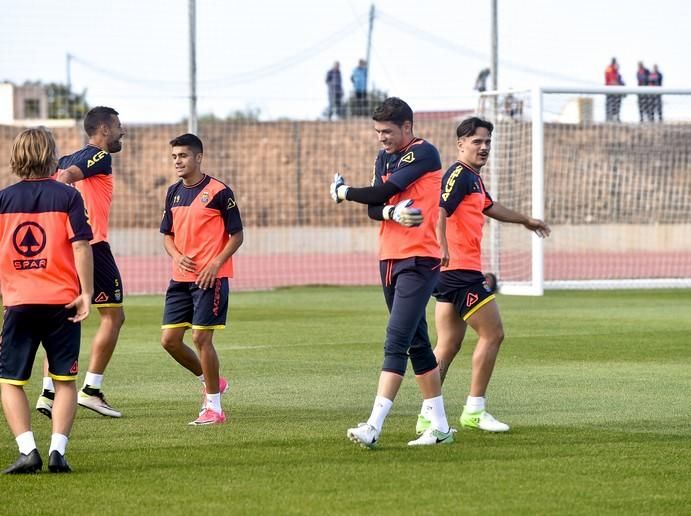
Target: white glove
{"points": [[338, 188], [403, 214]]}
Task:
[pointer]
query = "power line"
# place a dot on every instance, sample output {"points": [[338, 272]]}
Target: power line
{"points": [[413, 31], [232, 80]]}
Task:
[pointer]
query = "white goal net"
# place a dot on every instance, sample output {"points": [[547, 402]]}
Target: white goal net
{"points": [[609, 169]]}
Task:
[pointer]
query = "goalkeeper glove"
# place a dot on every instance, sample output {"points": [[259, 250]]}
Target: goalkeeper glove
{"points": [[338, 188], [403, 214]]}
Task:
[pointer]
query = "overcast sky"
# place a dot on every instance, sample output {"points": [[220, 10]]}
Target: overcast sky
{"points": [[273, 55]]}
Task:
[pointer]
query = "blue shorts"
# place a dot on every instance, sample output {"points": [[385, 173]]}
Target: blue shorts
{"points": [[107, 281], [188, 306], [24, 328], [467, 290]]}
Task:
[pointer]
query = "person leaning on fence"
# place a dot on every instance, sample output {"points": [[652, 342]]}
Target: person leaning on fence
{"points": [[655, 79], [47, 283], [645, 107], [613, 102], [359, 80], [334, 88]]}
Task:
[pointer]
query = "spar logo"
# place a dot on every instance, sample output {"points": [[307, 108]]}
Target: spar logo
{"points": [[29, 240]]}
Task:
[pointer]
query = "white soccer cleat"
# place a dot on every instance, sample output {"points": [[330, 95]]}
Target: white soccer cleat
{"points": [[482, 420], [95, 401], [44, 404], [365, 435], [431, 437]]}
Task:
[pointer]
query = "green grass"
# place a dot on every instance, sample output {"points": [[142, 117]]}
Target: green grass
{"points": [[595, 385]]}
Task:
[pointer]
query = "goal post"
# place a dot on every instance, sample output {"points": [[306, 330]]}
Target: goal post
{"points": [[612, 178]]}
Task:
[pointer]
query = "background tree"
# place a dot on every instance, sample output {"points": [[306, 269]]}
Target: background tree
{"points": [[374, 97], [63, 103]]}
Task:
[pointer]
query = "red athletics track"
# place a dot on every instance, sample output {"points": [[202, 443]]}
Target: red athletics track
{"points": [[150, 275]]}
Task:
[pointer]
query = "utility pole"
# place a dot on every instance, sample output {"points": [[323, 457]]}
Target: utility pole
{"points": [[369, 45], [495, 48], [68, 103], [69, 72], [192, 122]]}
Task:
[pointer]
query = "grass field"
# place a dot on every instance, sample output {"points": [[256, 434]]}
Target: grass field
{"points": [[596, 386]]}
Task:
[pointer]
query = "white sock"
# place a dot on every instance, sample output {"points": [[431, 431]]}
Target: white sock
{"points": [[380, 410], [58, 442], [26, 442], [201, 379], [93, 380], [213, 401], [433, 409], [475, 404], [48, 384]]}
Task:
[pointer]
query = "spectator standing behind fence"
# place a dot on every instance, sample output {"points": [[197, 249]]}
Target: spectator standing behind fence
{"points": [[655, 79], [335, 90], [481, 80], [613, 102], [645, 108], [359, 80]]}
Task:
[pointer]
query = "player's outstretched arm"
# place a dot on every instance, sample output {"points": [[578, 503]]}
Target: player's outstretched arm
{"points": [[84, 262], [504, 214], [372, 195]]}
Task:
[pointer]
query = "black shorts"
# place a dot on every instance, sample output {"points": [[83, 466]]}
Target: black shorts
{"points": [[188, 306], [24, 328], [108, 290], [467, 290]]}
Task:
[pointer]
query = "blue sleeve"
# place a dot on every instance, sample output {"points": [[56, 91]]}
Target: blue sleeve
{"points": [[78, 219], [378, 168], [224, 202], [167, 220], [95, 163], [415, 163], [455, 185]]}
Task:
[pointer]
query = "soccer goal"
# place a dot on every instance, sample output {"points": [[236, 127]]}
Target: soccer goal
{"points": [[609, 169]]}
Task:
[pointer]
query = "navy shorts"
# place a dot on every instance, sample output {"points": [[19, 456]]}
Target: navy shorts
{"points": [[24, 328], [467, 290], [107, 281], [188, 306]]}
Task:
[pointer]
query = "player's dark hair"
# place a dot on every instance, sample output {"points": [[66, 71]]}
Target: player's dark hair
{"points": [[470, 125], [96, 117], [188, 140], [393, 110]]}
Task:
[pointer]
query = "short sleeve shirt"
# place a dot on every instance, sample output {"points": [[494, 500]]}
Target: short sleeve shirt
{"points": [[200, 219], [464, 198]]}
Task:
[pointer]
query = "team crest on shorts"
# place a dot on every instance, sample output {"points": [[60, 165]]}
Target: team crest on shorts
{"points": [[204, 197]]}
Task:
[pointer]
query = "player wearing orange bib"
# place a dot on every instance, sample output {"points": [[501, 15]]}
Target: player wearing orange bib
{"points": [[404, 197], [90, 171], [463, 296], [202, 230], [46, 273]]}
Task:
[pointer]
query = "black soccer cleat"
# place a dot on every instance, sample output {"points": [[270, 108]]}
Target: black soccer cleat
{"points": [[30, 463], [57, 463]]}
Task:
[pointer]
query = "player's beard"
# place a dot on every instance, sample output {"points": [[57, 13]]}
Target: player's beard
{"points": [[115, 146]]}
